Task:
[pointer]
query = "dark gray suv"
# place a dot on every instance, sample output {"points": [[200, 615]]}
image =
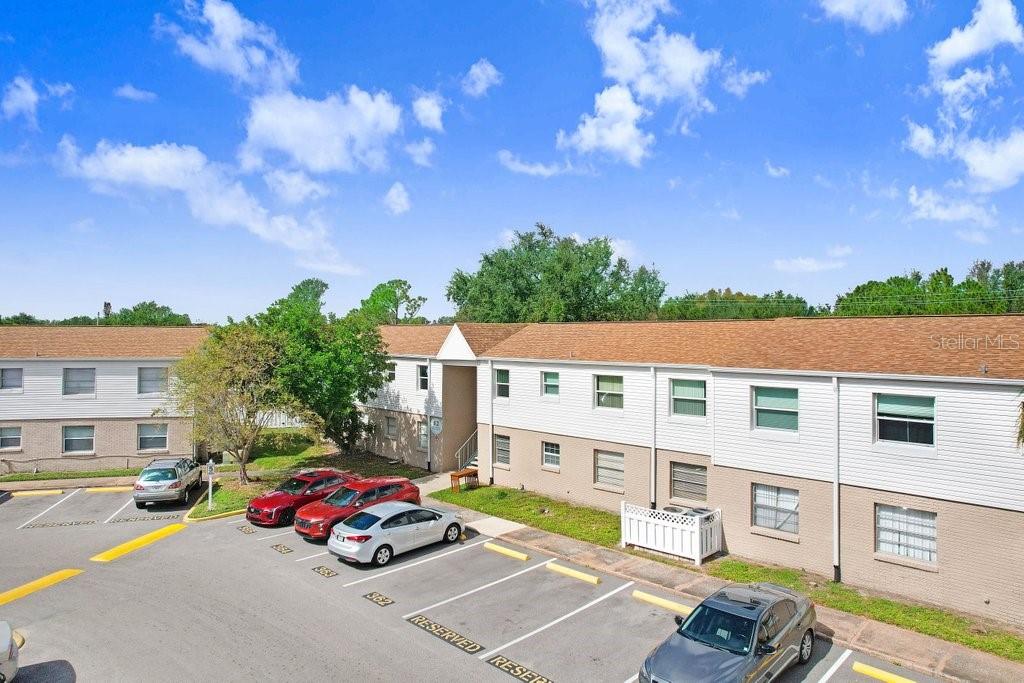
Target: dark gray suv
{"points": [[743, 634]]}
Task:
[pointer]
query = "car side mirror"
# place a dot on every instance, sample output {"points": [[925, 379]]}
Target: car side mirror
{"points": [[679, 620], [765, 649], [359, 504]]}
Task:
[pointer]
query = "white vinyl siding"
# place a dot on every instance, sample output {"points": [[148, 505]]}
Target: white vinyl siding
{"points": [[79, 381], [689, 397], [552, 454], [905, 419], [152, 380], [392, 372], [776, 408], [502, 450], [549, 383], [609, 469], [152, 437], [608, 391], [11, 378], [422, 377], [689, 481], [81, 439], [391, 427], [403, 394], [776, 508], [10, 438], [906, 532], [502, 387]]}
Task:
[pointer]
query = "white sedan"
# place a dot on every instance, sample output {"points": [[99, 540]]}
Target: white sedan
{"points": [[379, 532]]}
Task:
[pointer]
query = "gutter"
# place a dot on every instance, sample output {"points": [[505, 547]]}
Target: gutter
{"points": [[490, 422], [654, 436], [837, 574]]}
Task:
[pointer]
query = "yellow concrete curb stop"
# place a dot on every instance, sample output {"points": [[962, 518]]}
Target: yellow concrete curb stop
{"points": [[879, 674], [670, 605], [108, 489], [582, 576], [514, 554], [19, 640], [38, 492], [136, 544], [39, 584]]}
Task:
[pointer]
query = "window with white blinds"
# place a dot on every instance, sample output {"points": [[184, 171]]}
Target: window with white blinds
{"points": [[502, 449], [608, 391], [609, 468], [906, 532], [777, 508], [776, 408], [689, 481], [11, 378], [552, 454], [907, 419], [79, 381], [689, 397], [152, 380]]}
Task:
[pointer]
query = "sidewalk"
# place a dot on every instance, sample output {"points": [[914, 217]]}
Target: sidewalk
{"points": [[87, 482], [927, 655]]}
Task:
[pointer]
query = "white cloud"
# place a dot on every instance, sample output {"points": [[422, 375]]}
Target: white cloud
{"points": [[994, 164], [875, 191], [480, 78], [59, 90], [839, 251], [612, 128], [396, 201], [213, 196], [623, 248], [21, 99], [807, 264], [973, 236], [874, 16], [921, 140], [928, 204], [775, 171], [674, 182], [428, 109], [513, 163], [130, 92], [993, 23], [338, 133], [738, 82], [420, 152], [294, 187], [229, 43], [730, 214]]}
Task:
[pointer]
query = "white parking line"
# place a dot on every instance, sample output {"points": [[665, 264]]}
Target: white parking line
{"points": [[835, 667], [478, 588], [557, 621], [24, 524], [632, 678], [119, 510], [283, 533], [310, 557], [409, 566]]}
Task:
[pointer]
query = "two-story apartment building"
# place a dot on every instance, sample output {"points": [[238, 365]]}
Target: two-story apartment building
{"points": [[86, 398], [881, 451]]}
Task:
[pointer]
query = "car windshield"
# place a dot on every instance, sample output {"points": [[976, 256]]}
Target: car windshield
{"points": [[293, 485], [158, 475], [362, 521], [718, 629], [343, 497]]}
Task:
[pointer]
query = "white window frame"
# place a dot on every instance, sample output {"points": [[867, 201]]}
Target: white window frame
{"points": [[391, 372], [422, 377], [597, 471], [422, 435], [507, 383], [64, 439], [139, 437], [898, 443], [507, 450], [545, 383], [692, 470], [620, 394], [551, 455], [138, 380], [776, 430], [391, 427], [9, 437], [783, 515], [909, 543], [672, 399], [64, 384], [12, 389]]}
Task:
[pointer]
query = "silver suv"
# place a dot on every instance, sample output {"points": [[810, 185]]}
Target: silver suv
{"points": [[167, 479]]}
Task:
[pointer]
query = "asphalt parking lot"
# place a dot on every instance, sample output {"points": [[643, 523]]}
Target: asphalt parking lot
{"points": [[228, 601]]}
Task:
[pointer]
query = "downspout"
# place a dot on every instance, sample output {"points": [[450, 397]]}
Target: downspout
{"points": [[490, 421], [837, 574], [430, 386], [654, 436]]}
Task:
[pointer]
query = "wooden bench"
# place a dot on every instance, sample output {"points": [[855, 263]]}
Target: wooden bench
{"points": [[471, 476]]}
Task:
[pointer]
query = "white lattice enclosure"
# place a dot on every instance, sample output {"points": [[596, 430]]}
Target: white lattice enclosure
{"points": [[686, 534]]}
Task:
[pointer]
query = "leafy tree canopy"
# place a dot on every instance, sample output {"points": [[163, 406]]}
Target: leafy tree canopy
{"points": [[724, 304], [391, 303], [142, 313], [544, 277]]}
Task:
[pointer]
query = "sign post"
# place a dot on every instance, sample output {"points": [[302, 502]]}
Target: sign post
{"points": [[209, 481]]}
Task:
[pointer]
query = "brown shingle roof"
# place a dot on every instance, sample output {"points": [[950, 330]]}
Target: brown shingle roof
{"points": [[952, 346], [414, 340], [30, 341], [482, 336]]}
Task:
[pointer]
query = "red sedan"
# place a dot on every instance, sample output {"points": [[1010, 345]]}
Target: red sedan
{"points": [[316, 519], [279, 506]]}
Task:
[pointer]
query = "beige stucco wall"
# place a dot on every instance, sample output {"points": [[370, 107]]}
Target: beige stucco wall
{"points": [[116, 444], [574, 480], [980, 555], [405, 445], [458, 396]]}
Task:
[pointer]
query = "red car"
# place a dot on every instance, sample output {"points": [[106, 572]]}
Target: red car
{"points": [[279, 506], [316, 519]]}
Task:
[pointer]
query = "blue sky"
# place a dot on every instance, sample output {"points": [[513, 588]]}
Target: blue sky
{"points": [[209, 155]]}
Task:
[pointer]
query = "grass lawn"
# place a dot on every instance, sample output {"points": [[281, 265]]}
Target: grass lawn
{"points": [[87, 474], [602, 528], [229, 495]]}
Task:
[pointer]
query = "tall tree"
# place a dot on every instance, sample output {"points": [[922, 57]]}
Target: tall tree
{"points": [[725, 303], [227, 384], [937, 294], [327, 364], [543, 277], [391, 303], [21, 319], [147, 313]]}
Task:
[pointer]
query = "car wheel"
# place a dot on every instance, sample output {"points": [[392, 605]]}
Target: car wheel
{"points": [[382, 556], [452, 533], [806, 646], [141, 506], [287, 517]]}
